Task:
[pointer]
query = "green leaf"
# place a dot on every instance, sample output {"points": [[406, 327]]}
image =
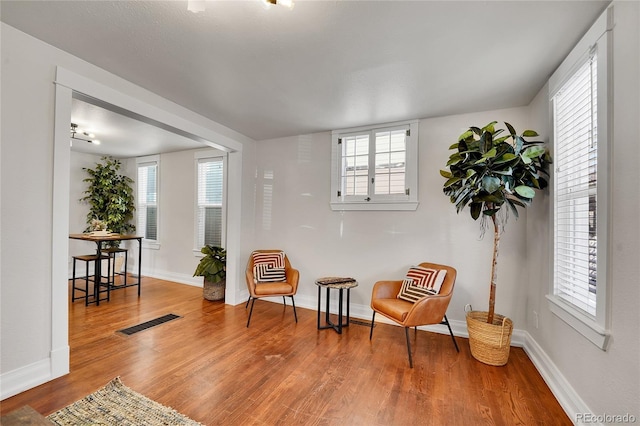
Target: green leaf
{"points": [[445, 174], [525, 191], [454, 159], [490, 212], [452, 181], [511, 129], [507, 172], [534, 152], [519, 143], [505, 158], [475, 208], [490, 184], [525, 159], [454, 146], [490, 127], [490, 154], [465, 135], [486, 142], [529, 133]]}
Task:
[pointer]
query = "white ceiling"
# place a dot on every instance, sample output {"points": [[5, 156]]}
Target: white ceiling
{"points": [[323, 65]]}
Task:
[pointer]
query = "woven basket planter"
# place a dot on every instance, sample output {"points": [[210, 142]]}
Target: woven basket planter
{"points": [[489, 343], [213, 291]]}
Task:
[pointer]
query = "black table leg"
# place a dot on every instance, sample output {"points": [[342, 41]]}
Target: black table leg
{"points": [[319, 300], [139, 265]]}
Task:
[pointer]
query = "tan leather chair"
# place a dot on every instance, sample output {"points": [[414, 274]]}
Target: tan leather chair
{"points": [[286, 288], [428, 310]]}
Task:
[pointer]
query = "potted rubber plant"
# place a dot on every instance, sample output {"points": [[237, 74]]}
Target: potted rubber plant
{"points": [[213, 267], [494, 172]]}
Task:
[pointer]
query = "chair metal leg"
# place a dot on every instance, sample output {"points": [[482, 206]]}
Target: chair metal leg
{"points": [[372, 320], [406, 332], [73, 281], [446, 321], [247, 304], [284, 300], [251, 311], [294, 308]]}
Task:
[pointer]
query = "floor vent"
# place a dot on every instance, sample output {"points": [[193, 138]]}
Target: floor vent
{"points": [[360, 322], [145, 325]]}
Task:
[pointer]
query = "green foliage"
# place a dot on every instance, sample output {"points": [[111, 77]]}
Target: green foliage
{"points": [[110, 197], [488, 171], [213, 265]]}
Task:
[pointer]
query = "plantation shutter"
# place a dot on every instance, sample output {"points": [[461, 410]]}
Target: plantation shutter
{"points": [[210, 196], [148, 200], [575, 116]]}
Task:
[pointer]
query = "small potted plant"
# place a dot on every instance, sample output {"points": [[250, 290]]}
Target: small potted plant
{"points": [[213, 268], [98, 227], [487, 172]]}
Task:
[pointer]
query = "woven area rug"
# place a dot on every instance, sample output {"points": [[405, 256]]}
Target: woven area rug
{"points": [[116, 404]]}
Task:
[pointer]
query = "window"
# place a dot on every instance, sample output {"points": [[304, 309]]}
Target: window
{"points": [[210, 211], [579, 111], [375, 167], [147, 199]]}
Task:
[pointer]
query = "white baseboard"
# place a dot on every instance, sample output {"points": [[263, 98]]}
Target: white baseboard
{"points": [[27, 377], [568, 398], [170, 276], [32, 375]]}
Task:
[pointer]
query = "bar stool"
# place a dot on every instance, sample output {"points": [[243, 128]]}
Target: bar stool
{"points": [[111, 252], [88, 258]]}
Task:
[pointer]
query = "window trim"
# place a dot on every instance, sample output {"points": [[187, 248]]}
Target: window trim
{"points": [[201, 155], [594, 328], [147, 243], [339, 203]]}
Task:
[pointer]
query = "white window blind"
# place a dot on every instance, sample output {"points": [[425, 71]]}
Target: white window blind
{"points": [[210, 217], [147, 205], [576, 158]]}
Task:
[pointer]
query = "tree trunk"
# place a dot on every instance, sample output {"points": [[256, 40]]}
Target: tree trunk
{"points": [[494, 269]]}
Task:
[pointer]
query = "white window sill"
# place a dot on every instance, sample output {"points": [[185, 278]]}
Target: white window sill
{"points": [[150, 245], [579, 322], [371, 205]]}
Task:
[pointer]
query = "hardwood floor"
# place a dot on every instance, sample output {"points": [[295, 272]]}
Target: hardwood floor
{"points": [[210, 367]]}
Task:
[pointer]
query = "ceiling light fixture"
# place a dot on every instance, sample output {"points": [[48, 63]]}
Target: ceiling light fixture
{"points": [[81, 135], [197, 6], [285, 3]]}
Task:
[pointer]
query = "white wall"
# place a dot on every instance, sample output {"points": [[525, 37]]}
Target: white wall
{"points": [[602, 382], [375, 245], [34, 346]]}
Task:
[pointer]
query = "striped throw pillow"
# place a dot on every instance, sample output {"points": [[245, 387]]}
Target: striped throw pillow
{"points": [[421, 282], [413, 293], [268, 267]]}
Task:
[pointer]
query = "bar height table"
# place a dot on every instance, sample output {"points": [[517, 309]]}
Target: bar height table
{"points": [[340, 284], [99, 239]]}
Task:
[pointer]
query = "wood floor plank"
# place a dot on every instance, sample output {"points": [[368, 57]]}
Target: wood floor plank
{"points": [[209, 366]]}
